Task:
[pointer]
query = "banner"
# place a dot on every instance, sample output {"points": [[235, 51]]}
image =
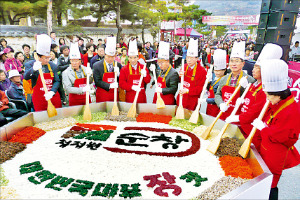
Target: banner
{"points": [[231, 20], [294, 84]]}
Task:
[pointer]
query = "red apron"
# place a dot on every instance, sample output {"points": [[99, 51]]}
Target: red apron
{"points": [[101, 94], [78, 99], [134, 79], [250, 99], [277, 156], [227, 91], [38, 98], [212, 109], [188, 101], [169, 99]]}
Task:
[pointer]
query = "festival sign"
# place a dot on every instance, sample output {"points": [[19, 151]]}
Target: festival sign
{"points": [[231, 20]]}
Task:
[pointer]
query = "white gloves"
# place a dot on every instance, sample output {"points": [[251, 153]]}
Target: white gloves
{"points": [[117, 70], [152, 67], [144, 72], [141, 61], [223, 107], [114, 85], [89, 71], [86, 89], [37, 65], [200, 101], [260, 125], [244, 82], [136, 88], [239, 101], [158, 89], [49, 95], [232, 118]]}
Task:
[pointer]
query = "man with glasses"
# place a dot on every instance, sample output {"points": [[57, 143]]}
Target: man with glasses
{"points": [[39, 98], [104, 73], [229, 82], [130, 76], [167, 76], [194, 78]]}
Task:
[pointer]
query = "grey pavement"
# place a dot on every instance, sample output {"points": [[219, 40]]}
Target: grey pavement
{"points": [[289, 184]]}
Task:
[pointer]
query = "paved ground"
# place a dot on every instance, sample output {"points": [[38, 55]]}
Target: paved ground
{"points": [[289, 184]]}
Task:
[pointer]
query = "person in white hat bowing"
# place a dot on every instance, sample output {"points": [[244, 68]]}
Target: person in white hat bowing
{"points": [[280, 125], [219, 70], [130, 76], [229, 82], [74, 78], [167, 76], [39, 98], [255, 99], [103, 72], [194, 78]]}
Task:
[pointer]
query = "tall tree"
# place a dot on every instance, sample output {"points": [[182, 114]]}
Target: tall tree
{"points": [[14, 10], [49, 17]]}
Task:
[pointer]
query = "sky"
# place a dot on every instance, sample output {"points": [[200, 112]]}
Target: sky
{"points": [[230, 7]]}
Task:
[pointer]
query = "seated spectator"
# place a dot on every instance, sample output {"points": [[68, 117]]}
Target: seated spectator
{"points": [[62, 42], [5, 111], [122, 44], [20, 57], [55, 49], [3, 57], [11, 63], [53, 57], [89, 54], [124, 57], [4, 82], [3, 45], [100, 55], [27, 55], [99, 43]]}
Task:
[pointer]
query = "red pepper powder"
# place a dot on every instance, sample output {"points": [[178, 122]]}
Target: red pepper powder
{"points": [[149, 117], [97, 127], [27, 135], [236, 167]]}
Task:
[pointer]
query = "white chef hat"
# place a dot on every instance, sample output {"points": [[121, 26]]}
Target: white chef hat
{"points": [[274, 75], [163, 51], [238, 50], [111, 45], [193, 48], [43, 45], [220, 59], [74, 51], [132, 49], [270, 51]]}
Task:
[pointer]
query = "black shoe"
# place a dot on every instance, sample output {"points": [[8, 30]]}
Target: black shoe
{"points": [[274, 194]]}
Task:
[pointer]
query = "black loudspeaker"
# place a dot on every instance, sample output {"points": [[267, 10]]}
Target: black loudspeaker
{"points": [[260, 37], [287, 5], [263, 20], [279, 36], [282, 19], [265, 6], [286, 51]]}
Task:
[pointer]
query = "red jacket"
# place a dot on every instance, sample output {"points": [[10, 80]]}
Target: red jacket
{"points": [[255, 100], [85, 58], [278, 138], [190, 99], [4, 100]]}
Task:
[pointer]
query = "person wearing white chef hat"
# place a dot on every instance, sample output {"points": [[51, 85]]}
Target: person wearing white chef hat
{"points": [[219, 70], [255, 99], [39, 98], [104, 72], [74, 78], [130, 76], [167, 76], [194, 78], [229, 82], [279, 128]]}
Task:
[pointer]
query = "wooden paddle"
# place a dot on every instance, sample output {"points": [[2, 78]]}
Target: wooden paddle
{"points": [[159, 102], [214, 145], [195, 115], [132, 110], [206, 133], [87, 115], [246, 145], [51, 110], [180, 111], [115, 109]]}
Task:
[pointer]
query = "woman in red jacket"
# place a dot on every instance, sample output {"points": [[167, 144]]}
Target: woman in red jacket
{"points": [[89, 54], [280, 125]]}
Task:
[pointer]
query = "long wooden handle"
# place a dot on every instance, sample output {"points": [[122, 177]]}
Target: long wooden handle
{"points": [[155, 80], [242, 97], [181, 83], [140, 84], [87, 95], [41, 74], [116, 89]]}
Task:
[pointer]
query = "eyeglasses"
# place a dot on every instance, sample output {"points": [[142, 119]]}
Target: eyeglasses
{"points": [[235, 61]]}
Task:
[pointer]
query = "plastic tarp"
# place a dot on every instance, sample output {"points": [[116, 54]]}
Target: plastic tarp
{"points": [[190, 32]]}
